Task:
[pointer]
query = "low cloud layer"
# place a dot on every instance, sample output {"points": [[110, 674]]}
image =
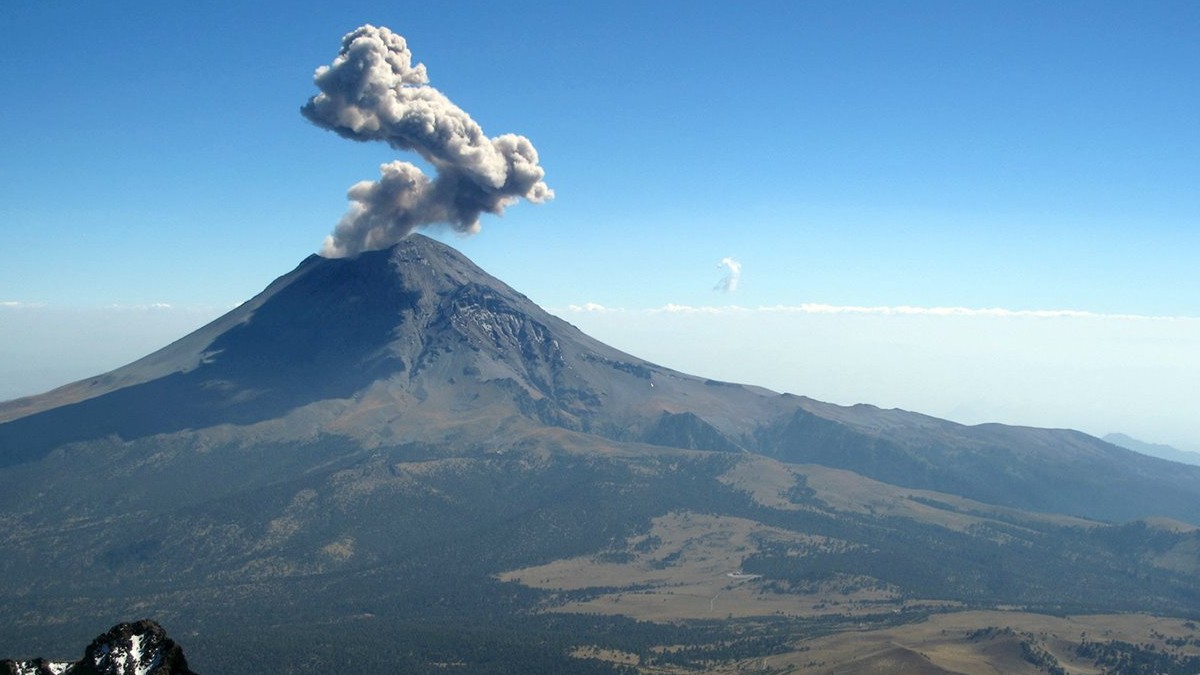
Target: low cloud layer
{"points": [[372, 91], [882, 310], [1093, 371]]}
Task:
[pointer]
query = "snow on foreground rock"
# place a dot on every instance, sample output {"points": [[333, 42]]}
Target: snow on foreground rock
{"points": [[140, 648]]}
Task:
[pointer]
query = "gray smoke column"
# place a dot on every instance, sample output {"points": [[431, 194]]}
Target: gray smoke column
{"points": [[373, 92]]}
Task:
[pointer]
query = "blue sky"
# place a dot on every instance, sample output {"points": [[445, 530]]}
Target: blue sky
{"points": [[1022, 156]]}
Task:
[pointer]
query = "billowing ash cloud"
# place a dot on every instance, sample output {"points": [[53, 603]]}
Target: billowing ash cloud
{"points": [[373, 92], [733, 272]]}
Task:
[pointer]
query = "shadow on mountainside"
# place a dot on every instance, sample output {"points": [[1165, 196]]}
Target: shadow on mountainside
{"points": [[322, 336]]}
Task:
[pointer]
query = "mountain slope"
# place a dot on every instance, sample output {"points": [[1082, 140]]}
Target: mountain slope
{"points": [[414, 328], [1154, 449], [399, 455], [405, 344]]}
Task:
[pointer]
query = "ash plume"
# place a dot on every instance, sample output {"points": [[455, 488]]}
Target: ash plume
{"points": [[372, 91]]}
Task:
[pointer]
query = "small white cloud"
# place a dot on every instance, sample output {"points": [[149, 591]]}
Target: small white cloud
{"points": [[690, 309], [733, 273], [591, 307], [150, 307], [17, 304]]}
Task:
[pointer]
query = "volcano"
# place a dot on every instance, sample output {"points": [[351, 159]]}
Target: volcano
{"points": [[398, 455]]}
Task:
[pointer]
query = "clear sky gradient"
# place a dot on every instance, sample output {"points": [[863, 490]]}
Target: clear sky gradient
{"points": [[1038, 160]]}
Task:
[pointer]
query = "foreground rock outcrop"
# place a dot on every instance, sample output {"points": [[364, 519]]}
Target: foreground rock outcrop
{"points": [[139, 648]]}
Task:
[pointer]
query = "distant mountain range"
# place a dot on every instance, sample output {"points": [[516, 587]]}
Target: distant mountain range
{"points": [[1154, 449], [398, 461]]}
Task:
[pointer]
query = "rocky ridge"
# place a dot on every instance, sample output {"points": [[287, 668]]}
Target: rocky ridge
{"points": [[138, 648]]}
